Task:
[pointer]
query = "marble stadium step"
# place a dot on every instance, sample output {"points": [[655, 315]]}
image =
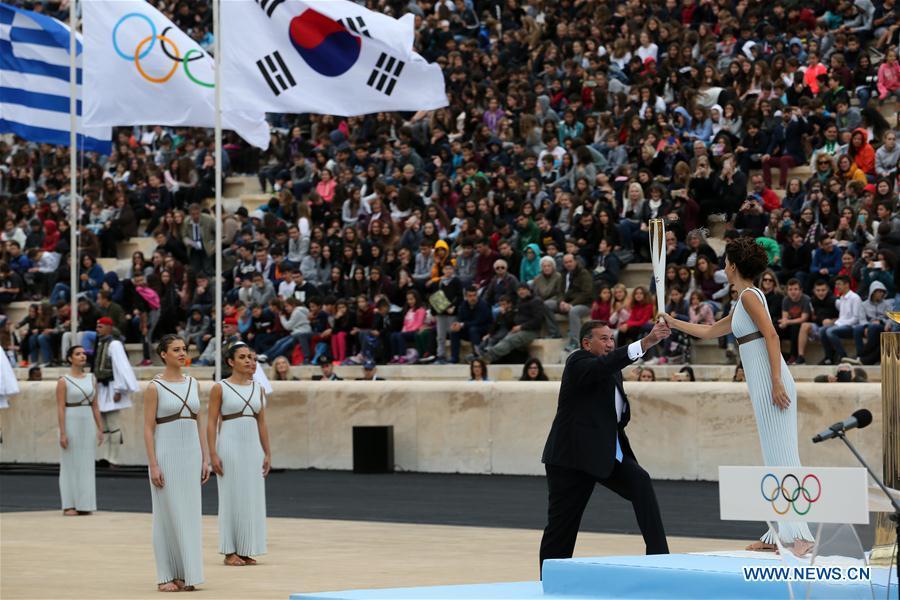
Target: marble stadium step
{"points": [[460, 372], [144, 244], [16, 311], [237, 185], [705, 352], [635, 274]]}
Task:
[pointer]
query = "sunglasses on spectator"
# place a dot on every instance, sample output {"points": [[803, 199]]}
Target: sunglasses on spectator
{"points": [[768, 279], [499, 268]]}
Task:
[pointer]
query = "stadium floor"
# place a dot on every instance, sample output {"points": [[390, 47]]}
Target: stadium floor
{"points": [[329, 530]]}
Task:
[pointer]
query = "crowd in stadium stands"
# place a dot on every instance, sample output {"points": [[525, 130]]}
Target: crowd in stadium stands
{"points": [[511, 214]]}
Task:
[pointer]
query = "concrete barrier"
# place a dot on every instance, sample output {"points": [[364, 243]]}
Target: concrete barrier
{"points": [[490, 427], [460, 372]]}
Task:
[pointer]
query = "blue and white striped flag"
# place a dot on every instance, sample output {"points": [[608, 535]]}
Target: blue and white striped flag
{"points": [[34, 81]]}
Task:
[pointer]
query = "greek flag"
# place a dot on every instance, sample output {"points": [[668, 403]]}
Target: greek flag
{"points": [[34, 81]]}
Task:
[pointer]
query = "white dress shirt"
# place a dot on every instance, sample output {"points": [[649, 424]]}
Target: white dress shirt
{"points": [[634, 352]]}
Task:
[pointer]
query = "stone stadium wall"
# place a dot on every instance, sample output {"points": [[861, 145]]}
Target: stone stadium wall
{"points": [[678, 430]]}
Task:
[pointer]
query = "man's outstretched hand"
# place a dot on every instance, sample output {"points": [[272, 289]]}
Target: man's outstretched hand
{"points": [[659, 332]]}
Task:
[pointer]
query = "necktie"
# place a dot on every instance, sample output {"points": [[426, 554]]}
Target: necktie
{"points": [[196, 232]]}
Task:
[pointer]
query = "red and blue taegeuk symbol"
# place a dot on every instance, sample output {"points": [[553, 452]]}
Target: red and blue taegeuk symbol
{"points": [[326, 45]]}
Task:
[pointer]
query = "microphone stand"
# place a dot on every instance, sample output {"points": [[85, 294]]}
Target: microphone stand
{"points": [[894, 517]]}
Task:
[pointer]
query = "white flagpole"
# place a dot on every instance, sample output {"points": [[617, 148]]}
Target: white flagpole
{"points": [[217, 45], [73, 174]]}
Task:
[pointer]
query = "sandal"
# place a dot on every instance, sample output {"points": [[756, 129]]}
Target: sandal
{"points": [[70, 512], [247, 560], [169, 586], [760, 546], [233, 560]]}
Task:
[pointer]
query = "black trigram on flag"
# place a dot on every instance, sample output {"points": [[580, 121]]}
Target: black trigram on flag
{"points": [[356, 25], [276, 73], [385, 74], [269, 5]]}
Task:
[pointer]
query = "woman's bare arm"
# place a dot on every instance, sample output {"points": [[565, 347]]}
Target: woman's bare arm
{"points": [[61, 412], [704, 332], [150, 402]]}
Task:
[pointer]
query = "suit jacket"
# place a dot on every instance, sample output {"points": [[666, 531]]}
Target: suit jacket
{"points": [[207, 233], [583, 434]]}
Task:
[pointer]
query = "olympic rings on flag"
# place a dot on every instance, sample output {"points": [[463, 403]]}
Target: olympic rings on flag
{"points": [[150, 41], [790, 498], [137, 60], [187, 58], [115, 31]]}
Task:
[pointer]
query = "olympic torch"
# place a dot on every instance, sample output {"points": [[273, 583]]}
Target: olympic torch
{"points": [[658, 260]]}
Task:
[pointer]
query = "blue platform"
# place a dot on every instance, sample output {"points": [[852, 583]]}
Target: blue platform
{"points": [[676, 576]]}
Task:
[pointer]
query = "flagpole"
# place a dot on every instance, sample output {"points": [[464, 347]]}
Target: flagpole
{"points": [[73, 175], [217, 49]]}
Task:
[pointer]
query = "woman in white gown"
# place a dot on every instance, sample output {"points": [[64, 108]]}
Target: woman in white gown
{"points": [[178, 465], [239, 454], [771, 386], [80, 432]]}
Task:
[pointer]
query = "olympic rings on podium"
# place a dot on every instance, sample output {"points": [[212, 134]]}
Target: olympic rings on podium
{"points": [[140, 52], [790, 497]]}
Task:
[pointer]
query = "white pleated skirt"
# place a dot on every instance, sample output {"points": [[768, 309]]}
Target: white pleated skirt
{"points": [[177, 511], [242, 489], [777, 428], [77, 485]]}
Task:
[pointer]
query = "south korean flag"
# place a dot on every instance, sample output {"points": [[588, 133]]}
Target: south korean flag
{"points": [[324, 56]]}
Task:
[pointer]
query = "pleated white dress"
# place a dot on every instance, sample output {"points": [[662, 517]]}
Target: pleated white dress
{"points": [[77, 486], [242, 488], [777, 428], [177, 538]]}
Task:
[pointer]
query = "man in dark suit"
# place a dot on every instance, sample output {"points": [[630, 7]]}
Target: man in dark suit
{"points": [[587, 442]]}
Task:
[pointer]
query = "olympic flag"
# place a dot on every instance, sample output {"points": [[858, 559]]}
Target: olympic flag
{"points": [[140, 69], [325, 56]]}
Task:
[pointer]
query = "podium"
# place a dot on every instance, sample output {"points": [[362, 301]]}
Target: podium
{"points": [[810, 513]]}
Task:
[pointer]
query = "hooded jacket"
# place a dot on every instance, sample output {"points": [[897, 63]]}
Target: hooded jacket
{"points": [[864, 158], [876, 311], [529, 269], [886, 160], [440, 259]]}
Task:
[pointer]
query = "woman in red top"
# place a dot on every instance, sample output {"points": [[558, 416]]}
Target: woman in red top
{"points": [[640, 320], [861, 151], [602, 306]]}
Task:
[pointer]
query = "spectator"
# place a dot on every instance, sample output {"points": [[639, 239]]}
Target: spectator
{"points": [[640, 316], [527, 320], [327, 370], [413, 323], [478, 370], [577, 296], [446, 296], [295, 319], [874, 313], [547, 287], [472, 324], [533, 370], [370, 372], [796, 309], [850, 315], [281, 370]]}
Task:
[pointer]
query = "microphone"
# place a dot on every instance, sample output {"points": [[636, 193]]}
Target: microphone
{"points": [[859, 419]]}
